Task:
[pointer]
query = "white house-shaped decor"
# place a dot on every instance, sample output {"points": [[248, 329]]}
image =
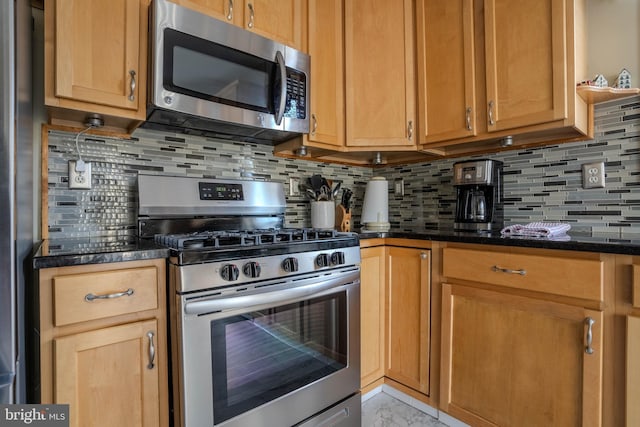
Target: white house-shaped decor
{"points": [[624, 80], [600, 81]]}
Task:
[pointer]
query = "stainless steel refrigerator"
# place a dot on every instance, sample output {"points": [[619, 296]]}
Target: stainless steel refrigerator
{"points": [[16, 193]]}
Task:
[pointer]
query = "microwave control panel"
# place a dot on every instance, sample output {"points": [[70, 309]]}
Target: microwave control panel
{"points": [[296, 103]]}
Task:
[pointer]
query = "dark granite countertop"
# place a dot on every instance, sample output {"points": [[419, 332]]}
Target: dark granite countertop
{"points": [[80, 251], [95, 250], [627, 244]]}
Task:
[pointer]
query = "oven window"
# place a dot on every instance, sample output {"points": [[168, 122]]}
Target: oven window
{"points": [[207, 70], [262, 355]]}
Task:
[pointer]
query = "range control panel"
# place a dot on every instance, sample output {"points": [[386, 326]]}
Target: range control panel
{"points": [[220, 191]]}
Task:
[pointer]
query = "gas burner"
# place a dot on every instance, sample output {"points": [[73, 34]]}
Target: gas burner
{"points": [[243, 238]]}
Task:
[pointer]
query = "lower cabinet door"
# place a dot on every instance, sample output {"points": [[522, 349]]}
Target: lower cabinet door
{"points": [[109, 376], [372, 309], [514, 361], [633, 371], [408, 317]]}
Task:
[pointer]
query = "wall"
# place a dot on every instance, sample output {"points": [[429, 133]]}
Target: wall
{"points": [[613, 38], [109, 208], [543, 183], [539, 184]]}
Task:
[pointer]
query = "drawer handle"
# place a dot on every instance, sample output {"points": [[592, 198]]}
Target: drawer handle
{"points": [[589, 322], [91, 297], [152, 351], [521, 272]]}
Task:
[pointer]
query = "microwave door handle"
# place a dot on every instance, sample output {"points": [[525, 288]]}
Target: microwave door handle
{"points": [[283, 87]]}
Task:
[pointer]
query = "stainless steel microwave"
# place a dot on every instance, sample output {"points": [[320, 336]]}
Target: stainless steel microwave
{"points": [[210, 78]]}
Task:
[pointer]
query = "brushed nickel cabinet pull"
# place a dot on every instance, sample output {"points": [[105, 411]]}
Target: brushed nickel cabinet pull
{"points": [[315, 124], [91, 297], [468, 118], [410, 130], [230, 14], [132, 85], [521, 272], [152, 351], [423, 255], [491, 121], [251, 15], [589, 322]]}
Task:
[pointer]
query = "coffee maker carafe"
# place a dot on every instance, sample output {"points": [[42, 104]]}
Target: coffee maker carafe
{"points": [[478, 195]]}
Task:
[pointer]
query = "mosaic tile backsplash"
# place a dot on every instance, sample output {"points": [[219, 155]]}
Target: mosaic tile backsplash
{"points": [[539, 184]]}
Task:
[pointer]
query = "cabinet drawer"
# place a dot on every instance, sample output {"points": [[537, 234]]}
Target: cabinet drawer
{"points": [[89, 296], [572, 277]]}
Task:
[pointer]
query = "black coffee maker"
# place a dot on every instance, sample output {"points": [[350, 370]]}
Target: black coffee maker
{"points": [[478, 195]]}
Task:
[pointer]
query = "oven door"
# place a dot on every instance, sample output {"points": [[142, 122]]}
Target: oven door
{"points": [[275, 356]]}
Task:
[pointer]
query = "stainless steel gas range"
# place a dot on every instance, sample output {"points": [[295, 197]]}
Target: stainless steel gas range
{"points": [[265, 320]]}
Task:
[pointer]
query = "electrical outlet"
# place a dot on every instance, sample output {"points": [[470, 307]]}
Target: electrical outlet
{"points": [[593, 175], [79, 179], [294, 187]]}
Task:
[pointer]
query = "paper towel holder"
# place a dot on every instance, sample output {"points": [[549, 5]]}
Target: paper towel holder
{"points": [[375, 206]]}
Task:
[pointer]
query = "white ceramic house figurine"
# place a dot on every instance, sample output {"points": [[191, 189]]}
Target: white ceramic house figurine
{"points": [[624, 80], [600, 81]]}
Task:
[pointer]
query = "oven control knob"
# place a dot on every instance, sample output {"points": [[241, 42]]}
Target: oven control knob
{"points": [[322, 260], [229, 272], [290, 265], [251, 269], [337, 258]]}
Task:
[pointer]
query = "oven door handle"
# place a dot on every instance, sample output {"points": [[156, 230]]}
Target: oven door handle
{"points": [[283, 295]]}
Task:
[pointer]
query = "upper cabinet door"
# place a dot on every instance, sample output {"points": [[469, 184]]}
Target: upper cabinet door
{"points": [[379, 60], [327, 71], [280, 20], [225, 10], [525, 62], [446, 70], [95, 65]]}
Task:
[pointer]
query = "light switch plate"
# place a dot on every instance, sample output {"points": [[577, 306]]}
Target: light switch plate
{"points": [[398, 187], [79, 179], [294, 187], [593, 175]]}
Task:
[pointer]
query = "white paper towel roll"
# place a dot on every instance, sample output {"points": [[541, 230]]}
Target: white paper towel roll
{"points": [[375, 207]]}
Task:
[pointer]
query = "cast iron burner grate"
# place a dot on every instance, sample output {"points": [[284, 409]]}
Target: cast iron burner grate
{"points": [[238, 238]]}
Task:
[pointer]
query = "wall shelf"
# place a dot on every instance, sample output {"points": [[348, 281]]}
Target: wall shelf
{"points": [[594, 95]]}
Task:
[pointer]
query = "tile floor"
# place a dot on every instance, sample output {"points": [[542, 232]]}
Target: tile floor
{"points": [[383, 410]]}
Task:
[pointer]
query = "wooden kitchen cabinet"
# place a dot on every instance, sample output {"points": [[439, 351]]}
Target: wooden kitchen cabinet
{"points": [[408, 317], [379, 75], [512, 354], [633, 352], [92, 71], [115, 361], [280, 20], [372, 314], [494, 68], [326, 41], [105, 357], [446, 70], [225, 10], [633, 371]]}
